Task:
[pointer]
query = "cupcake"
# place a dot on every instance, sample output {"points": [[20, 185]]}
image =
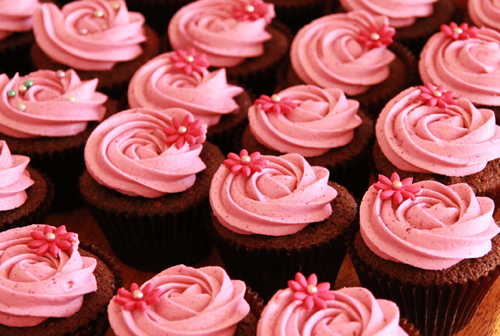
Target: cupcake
{"points": [[182, 300], [425, 133], [99, 39], [322, 125], [431, 248], [309, 308], [48, 116], [353, 52], [146, 185], [276, 215], [234, 34], [181, 79], [25, 194], [464, 59], [53, 286], [484, 13]]}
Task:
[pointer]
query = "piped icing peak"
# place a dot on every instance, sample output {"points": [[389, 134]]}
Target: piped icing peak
{"points": [[310, 292], [14, 178], [245, 163], [437, 229], [189, 61], [16, 16], [396, 189], [462, 32], [129, 153]]}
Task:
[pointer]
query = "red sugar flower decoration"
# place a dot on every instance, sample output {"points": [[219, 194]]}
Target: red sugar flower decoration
{"points": [[276, 104], [189, 61], [250, 10], [462, 32], [51, 240], [436, 96], [245, 164], [310, 292], [376, 37], [189, 131], [137, 298], [395, 188]]}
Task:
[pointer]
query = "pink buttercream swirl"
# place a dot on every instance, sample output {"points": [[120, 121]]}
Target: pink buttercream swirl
{"points": [[401, 13], [128, 153], [210, 27], [322, 119], [161, 84], [14, 178], [470, 67], [35, 287], [485, 13], [283, 198], [441, 227], [327, 53], [48, 103], [89, 34], [351, 311], [455, 141], [15, 16], [202, 302]]}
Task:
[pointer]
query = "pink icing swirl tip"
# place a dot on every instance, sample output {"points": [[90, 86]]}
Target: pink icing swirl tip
{"points": [[276, 104], [376, 37], [190, 131], [310, 292], [436, 96], [244, 163], [138, 298], [462, 32], [395, 188], [188, 61], [250, 10], [51, 240]]}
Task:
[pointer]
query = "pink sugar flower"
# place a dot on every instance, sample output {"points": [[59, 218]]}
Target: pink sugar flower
{"points": [[51, 240], [310, 292], [190, 131], [462, 32], [376, 37], [250, 10], [436, 96], [189, 61], [137, 298], [244, 163], [275, 104], [395, 188]]}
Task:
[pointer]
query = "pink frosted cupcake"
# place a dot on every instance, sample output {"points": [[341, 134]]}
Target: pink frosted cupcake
{"points": [[484, 13]]}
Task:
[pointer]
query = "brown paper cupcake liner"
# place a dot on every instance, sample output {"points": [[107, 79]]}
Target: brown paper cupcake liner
{"points": [[248, 326], [15, 53], [408, 327]]}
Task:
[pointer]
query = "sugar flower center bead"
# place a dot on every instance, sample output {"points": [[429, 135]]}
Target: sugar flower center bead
{"points": [[249, 8], [245, 159], [137, 294], [189, 58], [437, 93], [50, 236], [458, 30], [397, 184], [311, 289], [182, 129], [374, 36], [275, 98]]}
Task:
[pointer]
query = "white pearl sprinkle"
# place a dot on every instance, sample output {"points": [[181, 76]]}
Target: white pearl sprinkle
{"points": [[116, 5], [437, 93], [458, 30], [50, 236], [98, 13], [182, 129], [275, 98], [397, 184], [137, 294], [21, 106], [84, 31], [249, 8], [60, 74], [189, 58], [311, 289], [22, 88], [374, 36], [245, 159], [71, 98], [104, 26]]}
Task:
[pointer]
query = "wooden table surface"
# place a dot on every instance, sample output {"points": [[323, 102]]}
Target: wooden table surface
{"points": [[486, 321]]}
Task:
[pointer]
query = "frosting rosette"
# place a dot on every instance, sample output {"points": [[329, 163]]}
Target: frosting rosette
{"points": [[485, 13], [190, 301], [37, 286], [352, 311], [468, 66], [321, 119], [211, 27], [327, 53], [456, 140], [46, 103], [14, 178], [128, 152], [401, 13], [440, 227], [282, 198], [159, 84], [15, 16], [89, 34]]}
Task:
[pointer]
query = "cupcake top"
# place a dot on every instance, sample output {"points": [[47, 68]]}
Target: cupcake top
{"points": [[423, 129], [427, 225], [485, 13], [347, 51], [308, 308], [181, 79], [401, 13], [228, 31], [89, 34], [16, 16], [270, 195], [180, 301], [465, 60], [144, 152], [304, 119], [48, 103], [14, 178], [42, 275]]}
